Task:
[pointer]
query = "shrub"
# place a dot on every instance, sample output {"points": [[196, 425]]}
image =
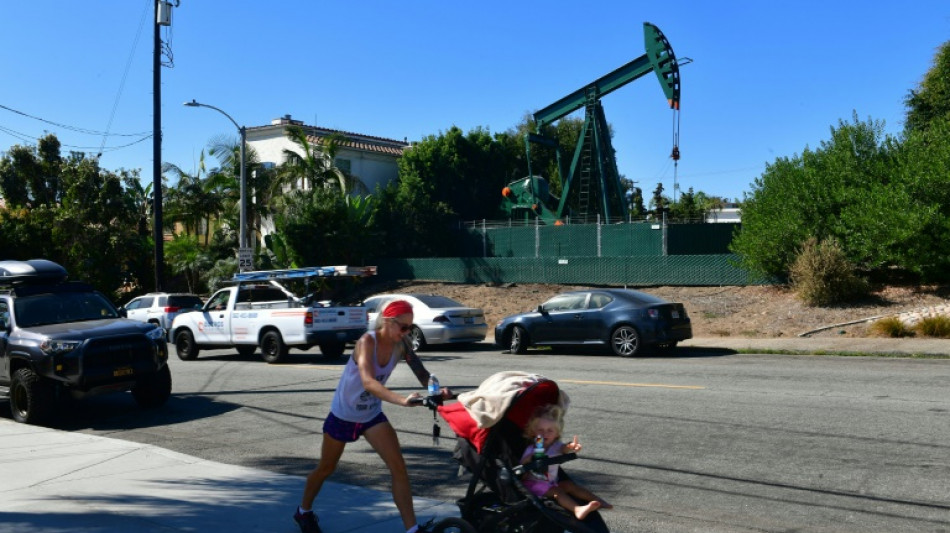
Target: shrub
{"points": [[891, 326], [934, 326], [822, 275]]}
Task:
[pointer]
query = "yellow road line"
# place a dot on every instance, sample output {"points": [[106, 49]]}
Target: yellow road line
{"points": [[622, 384], [317, 367]]}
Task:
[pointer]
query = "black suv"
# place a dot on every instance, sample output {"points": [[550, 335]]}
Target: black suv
{"points": [[65, 338]]}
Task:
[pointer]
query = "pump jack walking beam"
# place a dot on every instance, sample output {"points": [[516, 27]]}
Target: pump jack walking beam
{"points": [[593, 168]]}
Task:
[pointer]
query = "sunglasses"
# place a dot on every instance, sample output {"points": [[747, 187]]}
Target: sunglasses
{"points": [[402, 327]]}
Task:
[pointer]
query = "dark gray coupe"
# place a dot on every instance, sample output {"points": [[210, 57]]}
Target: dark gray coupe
{"points": [[625, 320]]}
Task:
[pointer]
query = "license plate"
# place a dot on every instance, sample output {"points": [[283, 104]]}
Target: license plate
{"points": [[121, 372], [675, 314]]}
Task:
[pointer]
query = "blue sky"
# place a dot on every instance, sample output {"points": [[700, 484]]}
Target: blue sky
{"points": [[768, 79]]}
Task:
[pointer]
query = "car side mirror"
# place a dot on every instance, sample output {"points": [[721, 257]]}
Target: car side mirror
{"points": [[123, 313], [541, 309]]}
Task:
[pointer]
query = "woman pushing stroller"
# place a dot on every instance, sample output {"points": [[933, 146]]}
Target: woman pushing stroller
{"points": [[357, 411], [543, 431]]}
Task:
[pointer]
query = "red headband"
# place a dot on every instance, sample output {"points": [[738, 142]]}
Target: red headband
{"points": [[396, 308]]}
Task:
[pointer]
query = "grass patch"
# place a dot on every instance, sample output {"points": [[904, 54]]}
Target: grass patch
{"points": [[934, 326], [891, 326]]}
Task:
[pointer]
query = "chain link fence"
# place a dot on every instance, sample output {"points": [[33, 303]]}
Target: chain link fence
{"points": [[639, 253]]}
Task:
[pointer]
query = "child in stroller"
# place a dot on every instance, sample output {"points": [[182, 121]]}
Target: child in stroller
{"points": [[490, 423], [544, 433]]}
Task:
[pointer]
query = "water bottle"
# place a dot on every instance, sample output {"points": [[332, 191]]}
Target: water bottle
{"points": [[434, 389], [539, 447]]}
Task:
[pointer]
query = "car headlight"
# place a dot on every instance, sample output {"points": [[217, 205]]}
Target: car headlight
{"points": [[53, 346], [155, 334]]}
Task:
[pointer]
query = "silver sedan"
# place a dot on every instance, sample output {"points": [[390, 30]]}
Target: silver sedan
{"points": [[436, 320]]}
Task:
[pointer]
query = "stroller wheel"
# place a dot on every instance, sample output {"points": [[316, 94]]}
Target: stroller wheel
{"points": [[453, 525]]}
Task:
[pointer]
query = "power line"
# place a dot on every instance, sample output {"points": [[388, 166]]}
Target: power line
{"points": [[30, 139], [73, 128], [125, 74]]}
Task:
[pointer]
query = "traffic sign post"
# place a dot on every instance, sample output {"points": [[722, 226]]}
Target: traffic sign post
{"points": [[245, 259]]}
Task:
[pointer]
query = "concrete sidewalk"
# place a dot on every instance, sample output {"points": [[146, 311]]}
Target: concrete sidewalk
{"points": [[57, 481]]}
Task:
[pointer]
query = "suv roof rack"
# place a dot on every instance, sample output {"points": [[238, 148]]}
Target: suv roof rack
{"points": [[33, 271], [308, 272]]}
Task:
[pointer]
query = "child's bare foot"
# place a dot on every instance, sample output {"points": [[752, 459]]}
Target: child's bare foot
{"points": [[581, 511]]}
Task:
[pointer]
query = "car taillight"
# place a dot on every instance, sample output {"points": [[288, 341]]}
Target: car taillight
{"points": [[441, 318], [172, 309], [653, 313], [308, 319]]}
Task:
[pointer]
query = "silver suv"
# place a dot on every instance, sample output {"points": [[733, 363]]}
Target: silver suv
{"points": [[160, 308]]}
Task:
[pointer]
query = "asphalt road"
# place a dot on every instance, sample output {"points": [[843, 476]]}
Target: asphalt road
{"points": [[696, 441]]}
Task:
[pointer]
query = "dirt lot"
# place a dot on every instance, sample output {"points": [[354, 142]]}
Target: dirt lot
{"points": [[757, 311]]}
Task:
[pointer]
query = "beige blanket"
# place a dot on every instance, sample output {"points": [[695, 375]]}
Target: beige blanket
{"points": [[488, 403]]}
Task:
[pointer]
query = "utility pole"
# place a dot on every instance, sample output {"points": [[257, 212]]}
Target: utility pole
{"points": [[162, 18]]}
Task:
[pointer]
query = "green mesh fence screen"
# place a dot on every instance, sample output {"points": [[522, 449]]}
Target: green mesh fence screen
{"points": [[687, 270], [596, 240]]}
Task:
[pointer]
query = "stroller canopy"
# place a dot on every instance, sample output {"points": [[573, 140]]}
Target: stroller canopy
{"points": [[512, 395]]}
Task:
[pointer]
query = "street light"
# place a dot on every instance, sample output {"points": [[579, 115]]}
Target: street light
{"points": [[242, 237]]}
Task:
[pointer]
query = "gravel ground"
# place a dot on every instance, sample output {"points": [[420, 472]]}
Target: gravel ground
{"points": [[753, 312]]}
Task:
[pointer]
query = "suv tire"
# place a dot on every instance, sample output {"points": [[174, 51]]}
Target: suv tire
{"points": [[153, 391], [32, 398]]}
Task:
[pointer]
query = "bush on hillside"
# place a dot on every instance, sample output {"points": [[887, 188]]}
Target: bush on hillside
{"points": [[822, 275]]}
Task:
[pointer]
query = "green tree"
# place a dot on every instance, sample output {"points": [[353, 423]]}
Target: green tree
{"points": [[931, 100], [31, 175], [320, 227], [848, 190]]}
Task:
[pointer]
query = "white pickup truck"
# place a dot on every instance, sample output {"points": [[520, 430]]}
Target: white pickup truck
{"points": [[259, 310]]}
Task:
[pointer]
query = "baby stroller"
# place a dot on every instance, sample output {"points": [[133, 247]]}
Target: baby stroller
{"points": [[496, 501]]}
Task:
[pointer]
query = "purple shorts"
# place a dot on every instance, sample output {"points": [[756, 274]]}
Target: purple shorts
{"points": [[344, 431]]}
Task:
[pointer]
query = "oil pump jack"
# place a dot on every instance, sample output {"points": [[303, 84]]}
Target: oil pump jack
{"points": [[592, 178]]}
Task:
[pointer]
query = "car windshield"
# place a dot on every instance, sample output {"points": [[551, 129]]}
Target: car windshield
{"points": [[437, 302], [57, 308]]}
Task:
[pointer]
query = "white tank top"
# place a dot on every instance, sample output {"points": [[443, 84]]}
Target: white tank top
{"points": [[353, 403]]}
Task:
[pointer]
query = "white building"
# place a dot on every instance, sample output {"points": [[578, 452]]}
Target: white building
{"points": [[370, 159], [732, 213]]}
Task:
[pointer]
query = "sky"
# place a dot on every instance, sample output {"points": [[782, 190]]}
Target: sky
{"points": [[766, 79]]}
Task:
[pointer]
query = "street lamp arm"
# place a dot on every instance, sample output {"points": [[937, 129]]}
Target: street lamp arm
{"points": [[194, 103], [242, 230]]}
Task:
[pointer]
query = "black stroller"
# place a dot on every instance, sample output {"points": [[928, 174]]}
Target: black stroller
{"points": [[496, 501]]}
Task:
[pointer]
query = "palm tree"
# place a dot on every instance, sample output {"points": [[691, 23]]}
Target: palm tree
{"points": [[194, 200], [314, 164]]}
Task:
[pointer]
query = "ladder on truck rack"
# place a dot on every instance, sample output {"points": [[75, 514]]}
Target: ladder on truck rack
{"points": [[307, 272]]}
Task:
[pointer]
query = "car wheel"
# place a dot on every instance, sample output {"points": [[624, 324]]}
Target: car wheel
{"points": [[453, 524], [625, 341], [185, 345], [518, 340], [273, 349], [153, 391], [32, 398], [245, 350], [332, 349], [417, 339]]}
